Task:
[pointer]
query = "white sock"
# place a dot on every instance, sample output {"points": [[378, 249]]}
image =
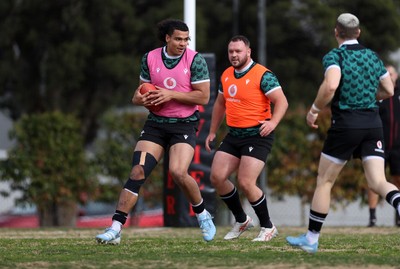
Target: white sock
{"points": [[398, 209], [116, 226], [312, 237]]}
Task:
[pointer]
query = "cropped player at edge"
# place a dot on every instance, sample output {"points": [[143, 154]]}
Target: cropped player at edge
{"points": [[355, 78], [182, 79]]}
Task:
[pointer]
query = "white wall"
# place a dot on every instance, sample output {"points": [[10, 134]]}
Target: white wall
{"points": [[289, 213], [5, 143]]}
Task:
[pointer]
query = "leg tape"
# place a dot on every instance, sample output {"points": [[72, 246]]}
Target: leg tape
{"points": [[146, 160]]}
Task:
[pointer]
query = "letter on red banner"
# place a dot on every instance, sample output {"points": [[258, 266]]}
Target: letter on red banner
{"points": [[170, 205], [196, 157], [170, 182], [198, 175]]}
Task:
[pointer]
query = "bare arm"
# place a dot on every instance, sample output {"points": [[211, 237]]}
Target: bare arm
{"points": [[217, 117], [200, 95], [280, 102], [325, 94], [385, 89]]}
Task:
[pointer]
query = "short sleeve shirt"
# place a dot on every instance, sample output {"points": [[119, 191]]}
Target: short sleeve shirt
{"points": [[354, 104]]}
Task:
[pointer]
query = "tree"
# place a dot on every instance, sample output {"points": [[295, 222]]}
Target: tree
{"points": [[83, 57], [72, 56], [49, 167]]}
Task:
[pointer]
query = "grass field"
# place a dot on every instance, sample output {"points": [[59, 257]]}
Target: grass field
{"points": [[355, 247]]}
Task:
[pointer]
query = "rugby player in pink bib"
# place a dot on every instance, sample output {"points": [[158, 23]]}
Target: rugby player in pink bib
{"points": [[183, 82]]}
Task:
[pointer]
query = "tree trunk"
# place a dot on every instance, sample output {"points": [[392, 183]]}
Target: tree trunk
{"points": [[63, 214]]}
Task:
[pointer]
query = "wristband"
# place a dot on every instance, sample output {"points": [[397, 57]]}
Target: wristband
{"points": [[313, 114], [315, 108]]}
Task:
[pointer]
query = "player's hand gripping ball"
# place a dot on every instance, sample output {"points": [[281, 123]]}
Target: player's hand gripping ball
{"points": [[150, 87]]}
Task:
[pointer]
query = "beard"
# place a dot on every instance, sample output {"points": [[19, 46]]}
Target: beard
{"points": [[239, 64]]}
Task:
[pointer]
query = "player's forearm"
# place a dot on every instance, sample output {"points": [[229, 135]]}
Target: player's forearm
{"points": [[200, 94], [385, 89], [324, 96], [218, 116], [195, 97]]}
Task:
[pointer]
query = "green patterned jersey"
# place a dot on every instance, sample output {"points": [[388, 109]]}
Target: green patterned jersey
{"points": [[354, 103]]}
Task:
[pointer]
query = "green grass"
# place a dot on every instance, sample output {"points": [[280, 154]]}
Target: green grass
{"points": [[355, 247]]}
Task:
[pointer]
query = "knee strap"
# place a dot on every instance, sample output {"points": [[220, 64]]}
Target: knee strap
{"points": [[146, 160], [133, 185]]}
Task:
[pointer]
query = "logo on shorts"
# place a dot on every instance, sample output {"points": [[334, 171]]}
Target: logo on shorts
{"points": [[379, 146], [251, 149], [185, 136]]}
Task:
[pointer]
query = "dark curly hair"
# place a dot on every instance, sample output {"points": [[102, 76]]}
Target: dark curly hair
{"points": [[168, 26]]}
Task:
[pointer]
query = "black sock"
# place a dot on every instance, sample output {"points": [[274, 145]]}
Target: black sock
{"points": [[372, 214], [316, 221], [120, 216], [199, 208], [393, 198], [261, 209], [232, 201]]}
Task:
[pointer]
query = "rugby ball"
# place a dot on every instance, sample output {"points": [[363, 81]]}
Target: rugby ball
{"points": [[146, 87]]}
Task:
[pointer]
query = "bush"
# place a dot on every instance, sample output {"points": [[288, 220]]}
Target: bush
{"points": [[48, 166]]}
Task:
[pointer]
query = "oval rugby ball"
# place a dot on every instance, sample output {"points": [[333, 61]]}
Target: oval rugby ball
{"points": [[147, 87], [150, 87]]}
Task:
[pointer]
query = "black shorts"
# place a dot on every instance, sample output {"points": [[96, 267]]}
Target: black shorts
{"points": [[392, 160], [168, 134], [345, 143], [254, 146]]}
